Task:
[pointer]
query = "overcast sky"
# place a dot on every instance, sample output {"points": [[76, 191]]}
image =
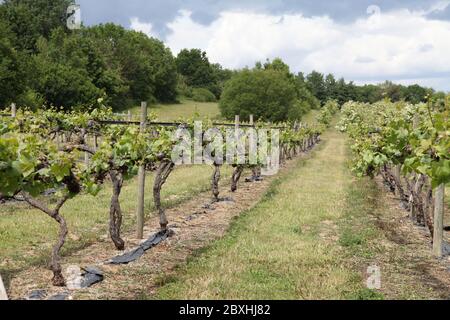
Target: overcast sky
{"points": [[364, 41]]}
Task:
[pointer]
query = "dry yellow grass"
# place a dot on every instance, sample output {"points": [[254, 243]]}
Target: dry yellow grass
{"points": [[185, 109]]}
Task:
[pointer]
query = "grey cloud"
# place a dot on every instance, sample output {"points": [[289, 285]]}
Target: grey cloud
{"points": [[411, 75], [161, 12], [440, 15]]}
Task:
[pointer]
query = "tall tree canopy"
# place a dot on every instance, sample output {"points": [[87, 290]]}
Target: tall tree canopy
{"points": [[12, 73], [43, 62], [267, 94], [75, 68], [198, 72], [31, 19], [316, 85], [195, 66]]}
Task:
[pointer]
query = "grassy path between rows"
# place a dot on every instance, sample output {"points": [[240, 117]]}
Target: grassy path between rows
{"points": [[313, 236], [284, 248]]}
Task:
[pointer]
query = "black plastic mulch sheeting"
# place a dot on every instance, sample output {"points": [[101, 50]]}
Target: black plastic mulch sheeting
{"points": [[37, 295], [254, 179], [138, 252], [91, 275], [40, 294], [446, 248], [59, 297]]}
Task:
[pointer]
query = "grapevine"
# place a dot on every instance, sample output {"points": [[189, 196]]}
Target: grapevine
{"points": [[43, 150]]}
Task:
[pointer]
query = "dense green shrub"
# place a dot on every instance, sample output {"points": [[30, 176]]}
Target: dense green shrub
{"points": [[328, 111], [30, 99], [267, 94], [183, 89], [203, 95]]}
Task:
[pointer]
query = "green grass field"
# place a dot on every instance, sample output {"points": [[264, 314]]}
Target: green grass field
{"points": [[185, 109]]}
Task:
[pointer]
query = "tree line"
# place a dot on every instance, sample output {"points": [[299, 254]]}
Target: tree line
{"points": [[42, 62]]}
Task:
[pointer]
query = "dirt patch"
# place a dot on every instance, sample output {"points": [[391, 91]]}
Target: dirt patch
{"points": [[405, 254], [196, 224]]}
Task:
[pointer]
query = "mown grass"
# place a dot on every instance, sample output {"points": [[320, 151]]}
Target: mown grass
{"points": [[185, 109], [311, 117], [27, 235], [290, 246], [356, 227]]}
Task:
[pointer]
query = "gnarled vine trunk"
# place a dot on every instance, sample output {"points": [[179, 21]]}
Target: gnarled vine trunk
{"points": [[215, 182], [115, 211], [163, 172], [388, 178], [256, 173], [416, 199], [429, 210], [55, 265], [236, 177]]}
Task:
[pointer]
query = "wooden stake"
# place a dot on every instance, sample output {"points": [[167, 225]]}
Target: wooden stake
{"points": [[86, 155], [95, 142], [438, 220], [141, 181], [3, 295], [13, 110], [397, 174]]}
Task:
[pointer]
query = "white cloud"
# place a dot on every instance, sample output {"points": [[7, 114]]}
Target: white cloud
{"points": [[399, 44], [144, 27]]}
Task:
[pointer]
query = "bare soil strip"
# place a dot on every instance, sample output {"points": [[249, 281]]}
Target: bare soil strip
{"points": [[404, 255]]}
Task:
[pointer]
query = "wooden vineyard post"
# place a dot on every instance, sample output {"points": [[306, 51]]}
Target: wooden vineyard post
{"points": [[397, 172], [397, 175], [86, 155], [13, 110], [412, 205], [130, 117], [58, 138], [141, 181], [236, 135], [438, 220], [253, 149], [86, 159], [236, 132], [3, 295], [95, 142]]}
